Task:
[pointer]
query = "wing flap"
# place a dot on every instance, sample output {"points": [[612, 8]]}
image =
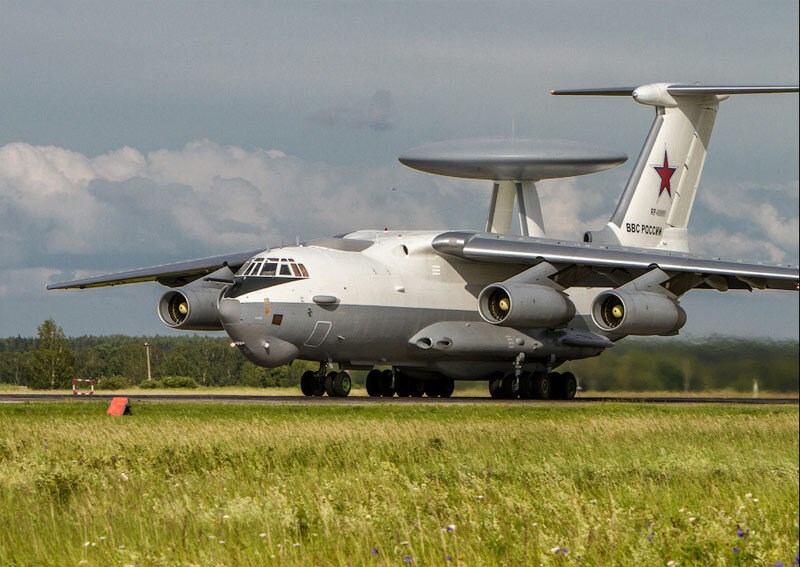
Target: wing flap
{"points": [[712, 273], [171, 275]]}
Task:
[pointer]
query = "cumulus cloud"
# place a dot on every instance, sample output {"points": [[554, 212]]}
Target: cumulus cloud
{"points": [[373, 114]]}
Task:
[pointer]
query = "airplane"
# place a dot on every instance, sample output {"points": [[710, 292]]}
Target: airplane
{"points": [[442, 305]]}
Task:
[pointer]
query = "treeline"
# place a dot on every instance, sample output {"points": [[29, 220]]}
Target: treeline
{"points": [[52, 360]]}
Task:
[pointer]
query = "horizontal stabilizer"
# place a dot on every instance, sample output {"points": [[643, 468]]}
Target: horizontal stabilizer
{"points": [[682, 90], [171, 275]]}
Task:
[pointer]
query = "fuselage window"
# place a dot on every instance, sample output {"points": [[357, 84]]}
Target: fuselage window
{"points": [[295, 270], [303, 270], [285, 270], [270, 268], [253, 271], [243, 269]]}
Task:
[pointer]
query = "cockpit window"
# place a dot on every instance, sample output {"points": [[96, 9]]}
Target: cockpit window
{"points": [[273, 267]]}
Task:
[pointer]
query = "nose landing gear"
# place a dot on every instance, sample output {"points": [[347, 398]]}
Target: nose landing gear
{"points": [[335, 384]]}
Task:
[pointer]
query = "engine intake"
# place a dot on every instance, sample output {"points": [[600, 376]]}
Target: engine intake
{"points": [[637, 313], [524, 305], [190, 309]]}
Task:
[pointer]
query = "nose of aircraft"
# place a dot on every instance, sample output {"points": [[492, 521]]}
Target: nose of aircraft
{"points": [[251, 337]]}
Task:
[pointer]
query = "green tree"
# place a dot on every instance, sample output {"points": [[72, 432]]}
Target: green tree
{"points": [[51, 363]]}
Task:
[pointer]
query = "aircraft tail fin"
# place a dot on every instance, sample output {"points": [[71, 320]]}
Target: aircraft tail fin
{"points": [[656, 203]]}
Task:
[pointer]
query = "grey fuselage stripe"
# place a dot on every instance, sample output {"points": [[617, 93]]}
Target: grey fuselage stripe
{"points": [[633, 181]]}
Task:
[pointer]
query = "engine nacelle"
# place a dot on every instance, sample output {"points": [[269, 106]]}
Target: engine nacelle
{"points": [[524, 305], [191, 309], [637, 313]]}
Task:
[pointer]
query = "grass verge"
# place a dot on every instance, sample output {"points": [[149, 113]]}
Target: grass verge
{"points": [[208, 484]]}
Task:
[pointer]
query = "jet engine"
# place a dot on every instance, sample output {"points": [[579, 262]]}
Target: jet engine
{"points": [[524, 305], [637, 313], [191, 309]]}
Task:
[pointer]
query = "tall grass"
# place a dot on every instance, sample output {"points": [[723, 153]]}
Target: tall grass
{"points": [[198, 484]]}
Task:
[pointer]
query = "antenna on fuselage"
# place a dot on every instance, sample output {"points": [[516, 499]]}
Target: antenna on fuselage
{"points": [[514, 165]]}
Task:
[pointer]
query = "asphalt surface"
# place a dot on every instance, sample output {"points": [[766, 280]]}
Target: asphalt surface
{"points": [[357, 400]]}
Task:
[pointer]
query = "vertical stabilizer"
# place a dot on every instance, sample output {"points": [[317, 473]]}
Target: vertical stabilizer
{"points": [[656, 204]]}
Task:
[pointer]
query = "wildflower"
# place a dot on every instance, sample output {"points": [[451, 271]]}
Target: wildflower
{"points": [[648, 524], [756, 500], [480, 497], [87, 544], [748, 495], [555, 550], [736, 550], [83, 562], [80, 464], [682, 509], [102, 538], [740, 533], [124, 476], [649, 538], [670, 563], [534, 524], [262, 535], [692, 519], [403, 543], [564, 550], [448, 558], [367, 517], [122, 547], [450, 528], [407, 559], [222, 542], [779, 564], [592, 501], [374, 551], [297, 545], [226, 517]]}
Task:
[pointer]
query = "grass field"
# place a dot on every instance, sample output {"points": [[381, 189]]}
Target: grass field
{"points": [[227, 484]]}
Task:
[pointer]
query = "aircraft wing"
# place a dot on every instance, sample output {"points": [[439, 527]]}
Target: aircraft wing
{"points": [[599, 265], [171, 275]]}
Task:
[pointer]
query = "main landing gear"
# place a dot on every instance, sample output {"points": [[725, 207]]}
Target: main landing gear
{"points": [[335, 384], [385, 384], [535, 386]]}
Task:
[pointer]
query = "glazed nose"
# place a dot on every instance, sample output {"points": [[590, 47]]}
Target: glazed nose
{"points": [[230, 311]]}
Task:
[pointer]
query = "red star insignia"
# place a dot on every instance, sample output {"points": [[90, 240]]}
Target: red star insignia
{"points": [[665, 173]]}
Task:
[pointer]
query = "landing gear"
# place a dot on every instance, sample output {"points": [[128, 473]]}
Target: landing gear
{"points": [[529, 386], [329, 384], [565, 386], [312, 383], [307, 382], [386, 384], [495, 388], [540, 385], [442, 388], [373, 383], [341, 385]]}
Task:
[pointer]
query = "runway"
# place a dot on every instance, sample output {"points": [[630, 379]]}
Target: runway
{"points": [[365, 400]]}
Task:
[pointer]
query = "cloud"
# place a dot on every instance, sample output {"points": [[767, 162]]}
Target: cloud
{"points": [[373, 114]]}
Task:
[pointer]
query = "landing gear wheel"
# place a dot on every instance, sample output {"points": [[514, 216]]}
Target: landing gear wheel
{"points": [[446, 387], [507, 389], [495, 385], [432, 388], [526, 386], [416, 387], [374, 383], [341, 384], [386, 389], [319, 385], [307, 382], [402, 385], [541, 385], [329, 384], [567, 386]]}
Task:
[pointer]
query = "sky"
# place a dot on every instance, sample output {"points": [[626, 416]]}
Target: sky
{"points": [[133, 134]]}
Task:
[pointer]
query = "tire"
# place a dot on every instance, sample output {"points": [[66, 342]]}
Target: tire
{"points": [[526, 386], [319, 385], [416, 387], [374, 383], [386, 389], [507, 387], [568, 386], [541, 385], [307, 382], [446, 387], [329, 384], [494, 388], [432, 388], [402, 385], [342, 384]]}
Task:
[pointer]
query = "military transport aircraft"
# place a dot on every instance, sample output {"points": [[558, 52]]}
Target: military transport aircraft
{"points": [[437, 306]]}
